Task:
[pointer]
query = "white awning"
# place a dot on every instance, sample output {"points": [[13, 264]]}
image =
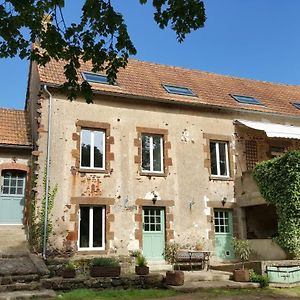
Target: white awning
{"points": [[273, 130]]}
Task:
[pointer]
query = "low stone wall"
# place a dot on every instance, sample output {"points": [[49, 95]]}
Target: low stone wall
{"points": [[123, 282]]}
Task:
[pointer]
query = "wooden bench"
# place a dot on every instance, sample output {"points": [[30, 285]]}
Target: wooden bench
{"points": [[193, 257]]}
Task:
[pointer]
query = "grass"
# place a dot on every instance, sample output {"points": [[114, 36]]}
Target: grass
{"points": [[270, 293], [117, 294], [205, 294]]}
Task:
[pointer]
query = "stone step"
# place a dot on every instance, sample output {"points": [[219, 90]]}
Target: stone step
{"points": [[190, 287], [20, 295], [20, 287], [194, 276], [18, 278], [17, 266]]}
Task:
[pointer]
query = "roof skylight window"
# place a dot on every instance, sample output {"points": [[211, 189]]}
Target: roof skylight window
{"points": [[297, 104], [94, 77], [179, 90], [246, 99]]}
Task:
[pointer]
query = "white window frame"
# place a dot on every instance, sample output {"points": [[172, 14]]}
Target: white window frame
{"points": [[92, 154], [151, 154], [91, 225], [218, 159]]}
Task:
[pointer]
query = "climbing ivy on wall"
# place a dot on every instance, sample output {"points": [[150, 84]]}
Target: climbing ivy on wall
{"points": [[279, 182], [37, 214], [51, 196], [32, 213]]}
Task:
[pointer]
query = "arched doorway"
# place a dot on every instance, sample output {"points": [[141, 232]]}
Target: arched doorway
{"points": [[12, 197]]}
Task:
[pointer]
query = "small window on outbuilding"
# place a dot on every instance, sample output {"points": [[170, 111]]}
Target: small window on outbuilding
{"points": [[94, 77], [246, 99], [178, 90], [297, 104]]}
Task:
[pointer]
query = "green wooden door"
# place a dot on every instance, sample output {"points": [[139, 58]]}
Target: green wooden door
{"points": [[223, 234], [153, 233], [12, 197]]}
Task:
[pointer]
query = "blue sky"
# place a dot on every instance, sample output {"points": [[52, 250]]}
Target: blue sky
{"points": [[253, 39]]}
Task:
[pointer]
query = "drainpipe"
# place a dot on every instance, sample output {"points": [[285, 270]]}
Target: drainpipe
{"points": [[47, 171]]}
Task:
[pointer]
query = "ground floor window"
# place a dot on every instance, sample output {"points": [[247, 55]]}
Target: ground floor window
{"points": [[92, 228]]}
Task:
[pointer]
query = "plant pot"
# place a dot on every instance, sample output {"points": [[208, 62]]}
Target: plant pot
{"points": [[241, 275], [141, 270], [69, 274], [105, 271], [174, 278]]}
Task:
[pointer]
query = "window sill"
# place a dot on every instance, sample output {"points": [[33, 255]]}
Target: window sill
{"points": [[91, 252], [83, 170], [153, 174], [218, 178]]}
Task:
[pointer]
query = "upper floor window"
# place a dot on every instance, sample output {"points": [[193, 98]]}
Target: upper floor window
{"points": [[94, 77], [219, 161], [92, 149], [179, 90], [152, 153], [297, 104], [246, 99]]}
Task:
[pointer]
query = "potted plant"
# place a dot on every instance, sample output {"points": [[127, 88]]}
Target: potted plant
{"points": [[69, 270], [105, 267], [243, 250], [141, 267], [200, 244], [170, 255]]}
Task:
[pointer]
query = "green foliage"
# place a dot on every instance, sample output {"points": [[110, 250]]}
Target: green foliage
{"points": [[51, 197], [135, 253], [279, 182], [242, 249], [105, 261], [70, 266], [32, 214], [171, 252], [141, 260], [100, 36], [263, 280], [37, 218]]}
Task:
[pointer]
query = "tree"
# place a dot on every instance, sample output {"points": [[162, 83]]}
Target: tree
{"points": [[100, 37]]}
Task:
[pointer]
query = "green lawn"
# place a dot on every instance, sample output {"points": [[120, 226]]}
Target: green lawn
{"points": [[205, 294], [117, 294]]}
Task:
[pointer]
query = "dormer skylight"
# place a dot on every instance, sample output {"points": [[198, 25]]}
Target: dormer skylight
{"points": [[246, 99], [178, 90], [296, 104], [94, 77]]}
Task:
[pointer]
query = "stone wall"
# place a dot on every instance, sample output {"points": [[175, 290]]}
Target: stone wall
{"points": [[101, 283]]}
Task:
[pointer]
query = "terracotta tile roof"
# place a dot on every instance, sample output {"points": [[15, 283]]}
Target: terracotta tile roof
{"points": [[14, 127], [144, 79]]}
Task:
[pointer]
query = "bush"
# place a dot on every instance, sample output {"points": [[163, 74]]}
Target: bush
{"points": [[135, 253], [242, 249], [263, 280], [171, 252], [70, 266], [105, 261]]}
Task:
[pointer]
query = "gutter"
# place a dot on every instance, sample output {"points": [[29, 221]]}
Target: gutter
{"points": [[12, 146], [47, 172], [180, 103]]}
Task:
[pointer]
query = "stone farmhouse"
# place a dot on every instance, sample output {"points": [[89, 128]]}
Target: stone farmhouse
{"points": [[164, 154]]}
